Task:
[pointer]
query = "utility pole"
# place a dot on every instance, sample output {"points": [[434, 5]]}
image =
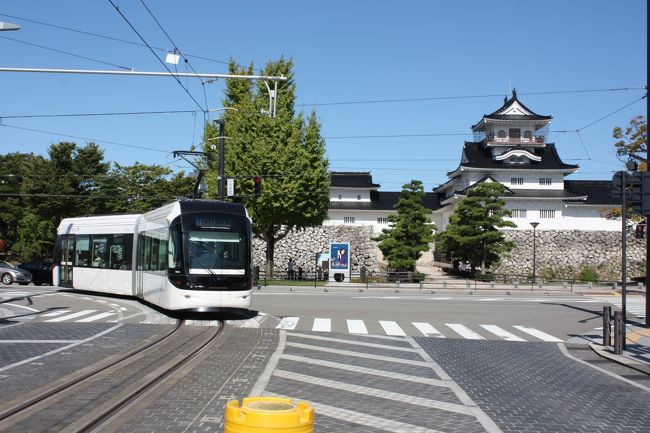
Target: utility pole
{"points": [[222, 149], [273, 93]]}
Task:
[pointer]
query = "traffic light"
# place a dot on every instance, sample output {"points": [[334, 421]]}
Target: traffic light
{"points": [[258, 185], [636, 187]]}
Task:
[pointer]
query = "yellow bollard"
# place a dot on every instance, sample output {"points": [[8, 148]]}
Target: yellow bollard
{"points": [[268, 414]]}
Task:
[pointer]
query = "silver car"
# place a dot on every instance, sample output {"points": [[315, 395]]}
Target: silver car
{"points": [[10, 274]]}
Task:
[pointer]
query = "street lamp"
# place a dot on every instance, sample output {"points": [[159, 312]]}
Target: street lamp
{"points": [[534, 224]]}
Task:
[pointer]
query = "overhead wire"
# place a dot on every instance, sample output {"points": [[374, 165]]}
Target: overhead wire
{"points": [[155, 55], [95, 140], [185, 59], [67, 53], [124, 41]]}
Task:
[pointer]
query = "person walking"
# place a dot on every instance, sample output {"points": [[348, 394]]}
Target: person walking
{"points": [[290, 271]]}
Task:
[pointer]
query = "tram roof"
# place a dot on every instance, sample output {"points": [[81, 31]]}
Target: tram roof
{"points": [[104, 224]]}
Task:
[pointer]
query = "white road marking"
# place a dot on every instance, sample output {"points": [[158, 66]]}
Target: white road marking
{"points": [[322, 325], [22, 306], [363, 418], [538, 334], [71, 316], [392, 328], [374, 392], [428, 330], [60, 349], [353, 342], [358, 354], [464, 331], [288, 323], [96, 317], [39, 341], [500, 332], [365, 370], [55, 313], [356, 327]]}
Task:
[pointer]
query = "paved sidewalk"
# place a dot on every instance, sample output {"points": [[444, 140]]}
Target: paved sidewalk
{"points": [[637, 350]]}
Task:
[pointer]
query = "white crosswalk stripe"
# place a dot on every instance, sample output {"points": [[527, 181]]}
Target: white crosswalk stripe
{"points": [[634, 305], [393, 329], [464, 331], [356, 327], [288, 323], [322, 325], [500, 332], [96, 317], [71, 316], [537, 333], [428, 330]]}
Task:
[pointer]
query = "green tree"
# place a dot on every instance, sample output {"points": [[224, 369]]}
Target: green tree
{"points": [[35, 237], [286, 151], [473, 231], [411, 231], [633, 139], [14, 167], [140, 188]]}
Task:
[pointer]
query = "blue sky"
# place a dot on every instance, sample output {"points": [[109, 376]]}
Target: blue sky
{"points": [[459, 58]]}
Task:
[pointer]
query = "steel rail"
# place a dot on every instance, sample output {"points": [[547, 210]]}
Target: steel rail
{"points": [[30, 402], [116, 405]]}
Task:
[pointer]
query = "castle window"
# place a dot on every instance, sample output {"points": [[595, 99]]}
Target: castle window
{"points": [[514, 159], [547, 213], [528, 135], [348, 220], [340, 196], [358, 196], [514, 133], [382, 220], [518, 213], [516, 181], [501, 134], [545, 181]]}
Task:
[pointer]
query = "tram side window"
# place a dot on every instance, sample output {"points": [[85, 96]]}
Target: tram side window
{"points": [[119, 252], [82, 250], [100, 252], [153, 253], [175, 247]]}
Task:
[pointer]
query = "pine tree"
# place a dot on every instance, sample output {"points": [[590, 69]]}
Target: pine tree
{"points": [[411, 231], [473, 231]]}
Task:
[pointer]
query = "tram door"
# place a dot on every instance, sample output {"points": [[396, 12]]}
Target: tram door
{"points": [[67, 254]]}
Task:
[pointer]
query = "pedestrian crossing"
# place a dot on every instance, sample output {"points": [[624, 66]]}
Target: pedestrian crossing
{"points": [[69, 316], [633, 304], [445, 330]]}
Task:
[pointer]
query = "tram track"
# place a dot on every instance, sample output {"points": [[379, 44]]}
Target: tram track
{"points": [[84, 400]]}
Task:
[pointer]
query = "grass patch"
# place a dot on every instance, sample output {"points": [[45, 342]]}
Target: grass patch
{"points": [[290, 283]]}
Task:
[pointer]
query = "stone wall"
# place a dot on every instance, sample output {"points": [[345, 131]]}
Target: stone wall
{"points": [[559, 253], [565, 253], [302, 247]]}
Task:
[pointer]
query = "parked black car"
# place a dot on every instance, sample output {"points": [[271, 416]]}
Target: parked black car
{"points": [[41, 271]]}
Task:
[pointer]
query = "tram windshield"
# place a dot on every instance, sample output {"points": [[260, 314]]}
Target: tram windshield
{"points": [[217, 244]]}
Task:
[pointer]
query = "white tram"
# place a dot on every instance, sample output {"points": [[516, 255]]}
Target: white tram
{"points": [[192, 255]]}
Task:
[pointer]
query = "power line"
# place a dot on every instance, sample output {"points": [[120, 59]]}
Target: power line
{"points": [[67, 53], [177, 50], [437, 98], [85, 138], [613, 112], [155, 55], [124, 41], [118, 113]]}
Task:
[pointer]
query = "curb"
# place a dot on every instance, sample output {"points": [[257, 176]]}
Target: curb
{"points": [[619, 359]]}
